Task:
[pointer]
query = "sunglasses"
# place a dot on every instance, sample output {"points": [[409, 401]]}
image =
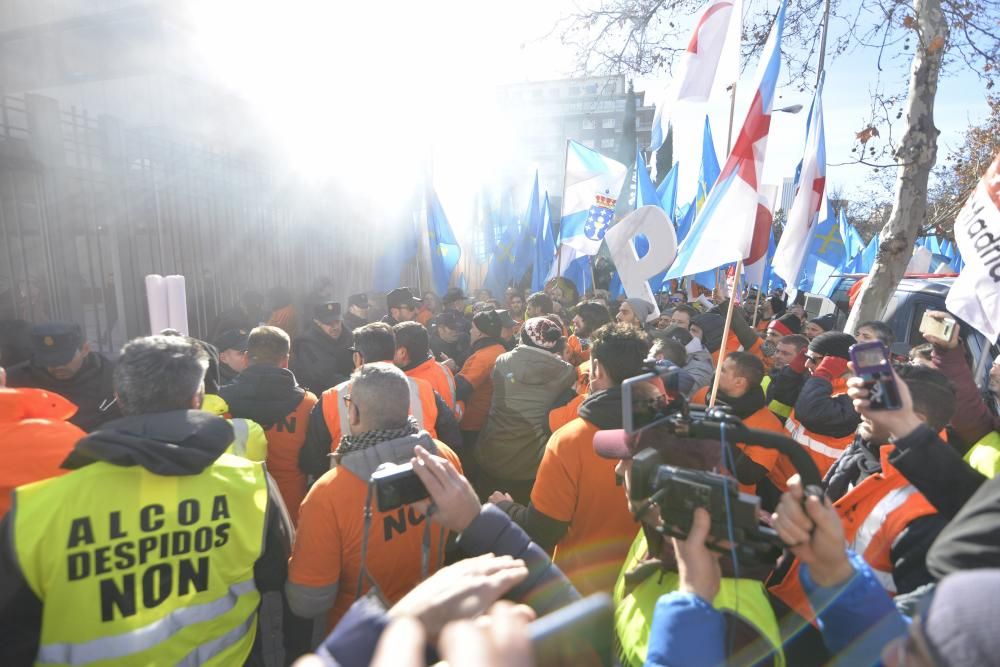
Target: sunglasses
{"points": [[810, 359]]}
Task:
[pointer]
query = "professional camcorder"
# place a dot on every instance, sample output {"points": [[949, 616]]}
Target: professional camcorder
{"points": [[659, 428]]}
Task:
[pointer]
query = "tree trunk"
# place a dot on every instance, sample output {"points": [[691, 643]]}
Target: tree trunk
{"points": [[916, 156]]}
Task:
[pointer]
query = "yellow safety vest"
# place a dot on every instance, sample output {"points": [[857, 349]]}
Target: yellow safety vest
{"points": [[634, 612], [134, 568], [249, 438], [984, 456], [777, 407]]}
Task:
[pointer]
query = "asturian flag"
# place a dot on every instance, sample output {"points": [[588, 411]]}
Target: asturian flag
{"points": [[698, 65], [726, 229], [593, 183], [803, 217]]}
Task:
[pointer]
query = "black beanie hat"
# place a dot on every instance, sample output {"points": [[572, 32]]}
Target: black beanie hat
{"points": [[711, 325], [488, 322], [679, 334], [833, 344], [826, 322], [790, 322]]}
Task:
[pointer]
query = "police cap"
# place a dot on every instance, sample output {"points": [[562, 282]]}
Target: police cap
{"points": [[55, 343]]}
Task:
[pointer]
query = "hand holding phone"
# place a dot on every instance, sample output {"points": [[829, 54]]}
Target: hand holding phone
{"points": [[939, 328], [872, 364]]}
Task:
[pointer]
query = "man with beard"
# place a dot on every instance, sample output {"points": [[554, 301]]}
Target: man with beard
{"points": [[357, 312], [450, 339], [590, 317], [63, 363], [321, 357]]}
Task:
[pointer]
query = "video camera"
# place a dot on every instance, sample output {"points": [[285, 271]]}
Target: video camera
{"points": [[678, 491]]}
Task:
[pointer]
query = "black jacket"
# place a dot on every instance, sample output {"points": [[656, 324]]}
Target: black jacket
{"points": [[226, 374], [320, 362], [459, 350], [785, 386], [352, 322], [181, 442], [908, 552], [265, 394], [823, 414], [972, 539], [91, 389]]}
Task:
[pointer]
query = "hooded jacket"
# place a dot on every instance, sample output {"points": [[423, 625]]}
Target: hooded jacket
{"points": [[91, 389], [170, 444], [320, 362], [265, 394], [526, 382]]}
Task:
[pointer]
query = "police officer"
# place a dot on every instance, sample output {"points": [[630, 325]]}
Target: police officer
{"points": [[155, 527], [63, 363], [402, 306], [232, 346], [357, 312], [450, 338], [321, 357], [454, 300]]}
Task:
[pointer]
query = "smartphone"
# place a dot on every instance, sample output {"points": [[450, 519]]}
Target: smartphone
{"points": [[578, 634], [872, 364], [942, 328], [397, 485]]}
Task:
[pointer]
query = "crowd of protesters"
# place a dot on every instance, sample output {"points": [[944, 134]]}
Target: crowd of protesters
{"points": [[211, 501]]}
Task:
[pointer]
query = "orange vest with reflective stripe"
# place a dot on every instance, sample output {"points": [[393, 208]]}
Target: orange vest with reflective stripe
{"points": [[423, 408], [874, 514], [440, 378], [824, 449], [284, 440]]}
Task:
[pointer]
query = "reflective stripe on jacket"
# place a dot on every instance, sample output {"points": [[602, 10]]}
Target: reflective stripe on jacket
{"points": [[159, 571], [423, 408]]}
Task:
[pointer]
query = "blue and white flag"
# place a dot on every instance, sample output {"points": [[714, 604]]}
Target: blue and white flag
{"points": [[545, 249], [593, 183]]}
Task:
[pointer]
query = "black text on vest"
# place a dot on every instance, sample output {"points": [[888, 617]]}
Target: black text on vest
{"points": [[139, 559], [286, 424], [397, 523]]}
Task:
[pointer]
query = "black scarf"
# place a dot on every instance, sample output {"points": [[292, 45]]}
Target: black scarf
{"points": [[356, 443], [745, 405]]}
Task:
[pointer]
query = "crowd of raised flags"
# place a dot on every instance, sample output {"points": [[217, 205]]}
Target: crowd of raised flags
{"points": [[728, 222]]}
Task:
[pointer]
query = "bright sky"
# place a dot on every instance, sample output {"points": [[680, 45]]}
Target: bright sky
{"points": [[361, 93]]}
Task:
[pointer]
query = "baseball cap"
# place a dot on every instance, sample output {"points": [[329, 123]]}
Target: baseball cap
{"points": [[401, 296], [55, 343], [359, 300], [234, 339], [452, 320], [328, 312], [454, 294], [506, 321]]}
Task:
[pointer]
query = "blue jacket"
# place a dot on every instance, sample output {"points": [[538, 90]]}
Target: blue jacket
{"points": [[857, 619], [546, 588]]}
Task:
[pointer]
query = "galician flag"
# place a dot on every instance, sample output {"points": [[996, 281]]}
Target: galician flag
{"points": [[593, 183], [726, 229], [699, 62], [803, 218]]}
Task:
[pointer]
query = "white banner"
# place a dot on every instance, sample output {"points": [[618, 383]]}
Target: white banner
{"points": [[975, 295], [634, 271]]}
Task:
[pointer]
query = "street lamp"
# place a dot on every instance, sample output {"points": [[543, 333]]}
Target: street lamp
{"points": [[793, 109]]}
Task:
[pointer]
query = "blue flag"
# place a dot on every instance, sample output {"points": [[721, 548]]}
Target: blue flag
{"points": [[825, 255], [445, 251], [545, 249], [524, 257], [707, 177], [853, 244], [501, 268], [864, 262], [389, 264]]}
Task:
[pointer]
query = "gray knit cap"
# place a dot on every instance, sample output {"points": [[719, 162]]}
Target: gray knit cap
{"points": [[642, 308]]}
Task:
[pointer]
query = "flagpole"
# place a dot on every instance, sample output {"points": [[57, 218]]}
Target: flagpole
{"points": [[725, 339], [562, 207], [756, 305]]}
